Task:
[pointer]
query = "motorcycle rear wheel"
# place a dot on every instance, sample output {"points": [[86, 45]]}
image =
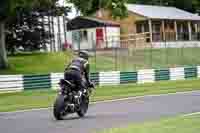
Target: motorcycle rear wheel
{"points": [[59, 108]]}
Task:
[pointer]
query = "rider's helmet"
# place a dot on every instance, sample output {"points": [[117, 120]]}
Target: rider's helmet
{"points": [[84, 55]]}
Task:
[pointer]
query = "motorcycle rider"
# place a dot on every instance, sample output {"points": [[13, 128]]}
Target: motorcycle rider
{"points": [[78, 71]]}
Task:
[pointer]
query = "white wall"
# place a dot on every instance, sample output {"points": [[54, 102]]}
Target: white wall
{"points": [[55, 26], [113, 36], [69, 37], [91, 38], [85, 43]]}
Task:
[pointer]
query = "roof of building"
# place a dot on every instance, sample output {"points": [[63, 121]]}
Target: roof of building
{"points": [[88, 22], [161, 12]]}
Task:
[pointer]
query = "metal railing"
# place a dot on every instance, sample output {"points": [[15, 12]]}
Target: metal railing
{"points": [[133, 52]]}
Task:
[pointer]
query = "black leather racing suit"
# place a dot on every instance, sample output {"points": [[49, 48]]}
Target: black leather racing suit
{"points": [[78, 73]]}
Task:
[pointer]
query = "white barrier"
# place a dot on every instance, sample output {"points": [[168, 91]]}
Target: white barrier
{"points": [[55, 78], [198, 71], [177, 73], [11, 82], [109, 78], [17, 83], [146, 76]]}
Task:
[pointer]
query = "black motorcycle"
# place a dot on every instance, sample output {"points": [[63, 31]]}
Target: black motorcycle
{"points": [[70, 101]]}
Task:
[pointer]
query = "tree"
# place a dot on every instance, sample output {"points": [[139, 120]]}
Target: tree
{"points": [[23, 8], [10, 8], [3, 56], [26, 31], [117, 7]]}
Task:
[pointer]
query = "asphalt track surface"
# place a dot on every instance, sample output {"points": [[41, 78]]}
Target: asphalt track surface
{"points": [[102, 115]]}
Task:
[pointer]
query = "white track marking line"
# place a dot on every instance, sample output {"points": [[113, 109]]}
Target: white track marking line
{"points": [[191, 114]]}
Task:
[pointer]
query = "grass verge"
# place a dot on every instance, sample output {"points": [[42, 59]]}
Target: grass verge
{"points": [[37, 63], [43, 63], [45, 98], [189, 124]]}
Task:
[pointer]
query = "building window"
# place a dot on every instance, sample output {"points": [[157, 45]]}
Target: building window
{"points": [[183, 33], [156, 29], [142, 27], [139, 28], [170, 34], [85, 36]]}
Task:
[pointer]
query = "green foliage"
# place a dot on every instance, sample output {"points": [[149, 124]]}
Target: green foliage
{"points": [[25, 26], [12, 7], [89, 7], [26, 31], [118, 8], [3, 8]]}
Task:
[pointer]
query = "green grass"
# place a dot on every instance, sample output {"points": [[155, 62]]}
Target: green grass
{"points": [[37, 63], [43, 63], [158, 58], [144, 59], [180, 124], [45, 98]]}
